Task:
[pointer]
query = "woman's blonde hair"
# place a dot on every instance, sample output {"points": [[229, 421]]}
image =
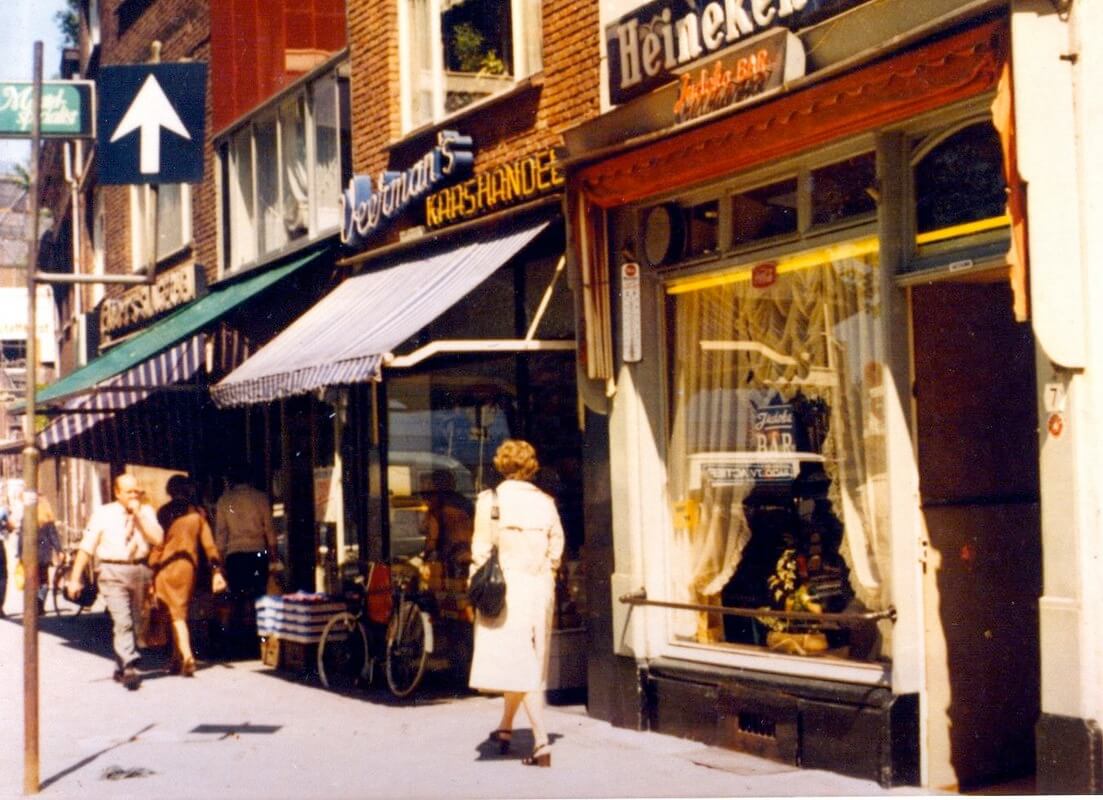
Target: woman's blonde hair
{"points": [[516, 460], [45, 512]]}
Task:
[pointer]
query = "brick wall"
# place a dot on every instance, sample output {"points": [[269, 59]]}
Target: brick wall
{"points": [[258, 47], [566, 92], [183, 28]]}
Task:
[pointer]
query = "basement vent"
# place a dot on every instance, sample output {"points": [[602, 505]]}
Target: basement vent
{"points": [[757, 725]]}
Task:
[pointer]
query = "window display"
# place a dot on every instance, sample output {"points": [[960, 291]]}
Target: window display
{"points": [[776, 456]]}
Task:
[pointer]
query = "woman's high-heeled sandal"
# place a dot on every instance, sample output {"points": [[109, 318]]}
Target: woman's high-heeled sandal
{"points": [[541, 757], [504, 739], [187, 669]]}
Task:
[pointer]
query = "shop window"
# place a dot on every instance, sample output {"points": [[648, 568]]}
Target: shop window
{"points": [[282, 172], [173, 221], [844, 191], [702, 225], [443, 427], [457, 52], [764, 213], [959, 186], [776, 453]]}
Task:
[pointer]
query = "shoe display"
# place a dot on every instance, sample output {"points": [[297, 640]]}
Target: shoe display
{"points": [[504, 739]]}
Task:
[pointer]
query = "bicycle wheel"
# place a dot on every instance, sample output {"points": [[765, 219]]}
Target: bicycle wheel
{"points": [[61, 604], [344, 662], [409, 640]]}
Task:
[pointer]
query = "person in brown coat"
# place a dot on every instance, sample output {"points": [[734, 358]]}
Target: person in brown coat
{"points": [[186, 529]]}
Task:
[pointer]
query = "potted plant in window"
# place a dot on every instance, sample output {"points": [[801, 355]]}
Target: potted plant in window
{"points": [[791, 593]]}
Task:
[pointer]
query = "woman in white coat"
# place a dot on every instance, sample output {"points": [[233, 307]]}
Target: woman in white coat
{"points": [[511, 650]]}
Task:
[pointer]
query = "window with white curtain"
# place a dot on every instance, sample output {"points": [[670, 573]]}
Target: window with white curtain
{"points": [[173, 221], [776, 453], [457, 52], [282, 171]]}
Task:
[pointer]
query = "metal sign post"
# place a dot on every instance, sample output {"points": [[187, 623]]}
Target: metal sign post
{"points": [[30, 463], [29, 555]]}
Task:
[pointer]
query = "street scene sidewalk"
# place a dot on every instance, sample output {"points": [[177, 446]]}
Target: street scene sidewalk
{"points": [[240, 729]]}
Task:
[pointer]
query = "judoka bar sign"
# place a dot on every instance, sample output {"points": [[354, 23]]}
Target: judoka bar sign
{"points": [[652, 45]]}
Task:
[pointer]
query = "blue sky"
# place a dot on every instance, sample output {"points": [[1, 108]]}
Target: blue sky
{"points": [[26, 21]]}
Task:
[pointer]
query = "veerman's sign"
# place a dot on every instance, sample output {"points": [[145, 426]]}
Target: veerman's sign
{"points": [[650, 45], [366, 207]]}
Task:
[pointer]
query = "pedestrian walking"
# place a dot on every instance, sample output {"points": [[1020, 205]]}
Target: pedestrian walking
{"points": [[511, 649], [186, 530], [119, 536], [246, 537], [49, 548], [5, 527]]}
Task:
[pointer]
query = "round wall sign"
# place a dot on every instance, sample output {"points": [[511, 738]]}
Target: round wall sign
{"points": [[661, 234]]}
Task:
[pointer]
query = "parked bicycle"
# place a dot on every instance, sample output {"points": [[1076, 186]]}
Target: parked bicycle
{"points": [[392, 618]]}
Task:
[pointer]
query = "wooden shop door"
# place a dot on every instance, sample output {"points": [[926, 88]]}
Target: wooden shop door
{"points": [[976, 420]]}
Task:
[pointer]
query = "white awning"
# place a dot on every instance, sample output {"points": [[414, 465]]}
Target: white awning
{"points": [[345, 336]]}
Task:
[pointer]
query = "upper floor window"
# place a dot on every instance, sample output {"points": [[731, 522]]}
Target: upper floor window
{"points": [[460, 51], [173, 221], [130, 11], [282, 171]]}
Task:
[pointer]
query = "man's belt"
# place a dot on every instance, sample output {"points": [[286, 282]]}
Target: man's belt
{"points": [[131, 563]]}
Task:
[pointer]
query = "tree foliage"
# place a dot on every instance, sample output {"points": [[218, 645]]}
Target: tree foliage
{"points": [[68, 22]]}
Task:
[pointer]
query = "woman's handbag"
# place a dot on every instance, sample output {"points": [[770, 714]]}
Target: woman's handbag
{"points": [[487, 589], [155, 622]]}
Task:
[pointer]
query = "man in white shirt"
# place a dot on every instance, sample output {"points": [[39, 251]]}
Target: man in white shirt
{"points": [[119, 536], [246, 537]]}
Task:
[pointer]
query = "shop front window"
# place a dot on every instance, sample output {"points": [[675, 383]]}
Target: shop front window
{"points": [[776, 453]]}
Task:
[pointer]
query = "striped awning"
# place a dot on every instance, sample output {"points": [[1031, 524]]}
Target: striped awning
{"points": [[121, 391], [343, 338]]}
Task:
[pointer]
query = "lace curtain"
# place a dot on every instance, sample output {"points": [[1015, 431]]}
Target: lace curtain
{"points": [[813, 335]]}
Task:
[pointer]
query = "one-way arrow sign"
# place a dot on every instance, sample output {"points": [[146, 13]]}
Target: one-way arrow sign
{"points": [[151, 123]]}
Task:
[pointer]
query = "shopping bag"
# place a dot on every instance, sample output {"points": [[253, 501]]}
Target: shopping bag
{"points": [[20, 576], [155, 622]]}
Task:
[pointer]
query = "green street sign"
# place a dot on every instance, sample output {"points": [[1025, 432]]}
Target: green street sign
{"points": [[67, 111]]}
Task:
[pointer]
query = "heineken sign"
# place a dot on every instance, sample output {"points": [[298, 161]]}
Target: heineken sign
{"points": [[650, 46], [67, 111]]}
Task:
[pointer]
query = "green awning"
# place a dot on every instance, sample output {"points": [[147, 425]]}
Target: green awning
{"points": [[167, 332]]}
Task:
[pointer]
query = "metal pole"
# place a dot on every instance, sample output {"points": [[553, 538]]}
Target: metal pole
{"points": [[30, 462]]}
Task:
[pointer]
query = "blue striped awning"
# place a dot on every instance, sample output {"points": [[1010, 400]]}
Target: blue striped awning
{"points": [[344, 337], [121, 391]]}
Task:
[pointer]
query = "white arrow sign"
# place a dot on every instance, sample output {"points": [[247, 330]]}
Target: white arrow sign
{"points": [[148, 113]]}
